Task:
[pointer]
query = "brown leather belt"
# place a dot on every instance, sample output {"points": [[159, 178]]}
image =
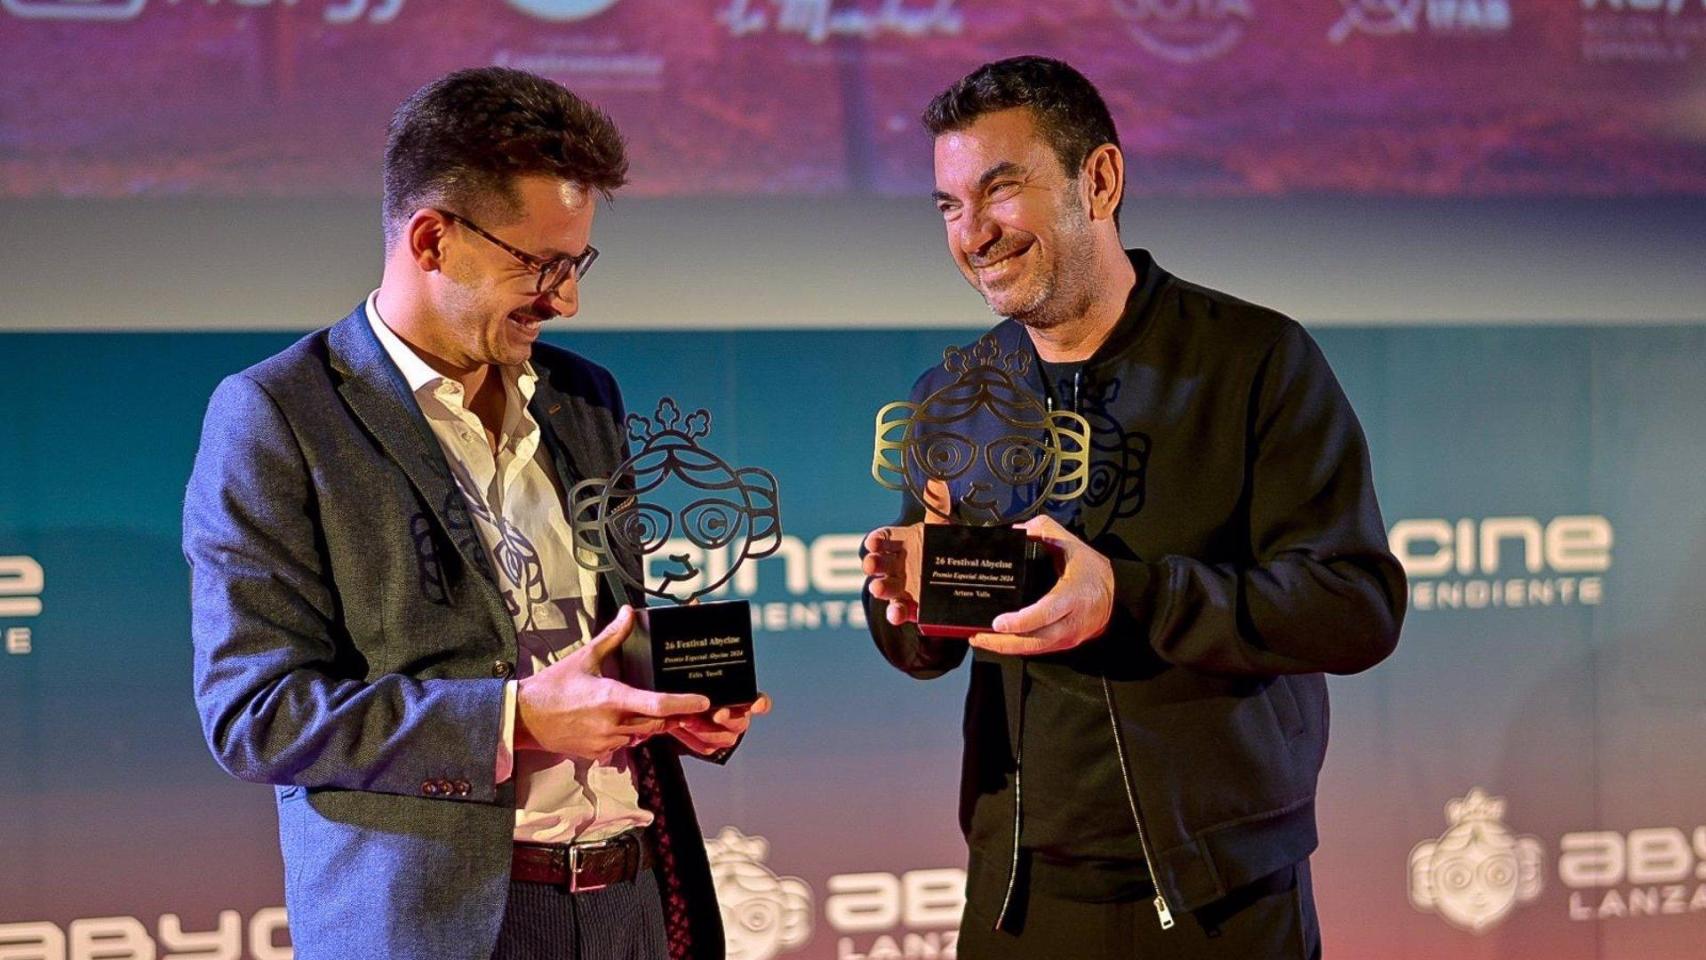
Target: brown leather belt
{"points": [[580, 867]]}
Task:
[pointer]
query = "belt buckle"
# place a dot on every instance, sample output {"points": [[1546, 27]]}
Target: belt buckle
{"points": [[629, 861], [575, 884]]}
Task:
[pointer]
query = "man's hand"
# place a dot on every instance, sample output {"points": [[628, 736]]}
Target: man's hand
{"points": [[720, 730], [892, 557], [1077, 609], [571, 709]]}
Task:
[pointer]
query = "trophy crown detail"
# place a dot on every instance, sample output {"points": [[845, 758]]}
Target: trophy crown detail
{"points": [[667, 422], [986, 353]]}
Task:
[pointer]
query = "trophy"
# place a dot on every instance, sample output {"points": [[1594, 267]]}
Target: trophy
{"points": [[675, 522], [1003, 455]]}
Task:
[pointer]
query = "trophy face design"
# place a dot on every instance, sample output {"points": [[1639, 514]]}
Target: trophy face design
{"points": [[689, 517], [1002, 454]]}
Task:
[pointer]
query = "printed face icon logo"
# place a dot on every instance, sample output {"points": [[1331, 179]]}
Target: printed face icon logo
{"points": [[1477, 872], [562, 11], [1035, 455], [763, 914], [674, 492]]}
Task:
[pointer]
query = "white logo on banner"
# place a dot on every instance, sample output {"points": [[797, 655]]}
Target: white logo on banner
{"points": [[1186, 31], [818, 20], [74, 9], [828, 565], [913, 914], [338, 11], [21, 583], [763, 914], [562, 11], [1644, 31], [1476, 564], [1647, 872], [1477, 872], [109, 938], [1388, 18]]}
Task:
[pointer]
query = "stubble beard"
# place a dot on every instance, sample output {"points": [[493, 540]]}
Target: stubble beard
{"points": [[1063, 291]]}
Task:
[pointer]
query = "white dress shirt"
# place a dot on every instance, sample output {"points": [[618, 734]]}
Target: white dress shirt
{"points": [[517, 505]]}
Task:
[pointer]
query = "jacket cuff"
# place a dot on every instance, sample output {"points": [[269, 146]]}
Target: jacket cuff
{"points": [[1136, 583]]}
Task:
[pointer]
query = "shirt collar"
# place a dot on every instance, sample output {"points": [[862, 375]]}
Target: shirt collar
{"points": [[420, 376]]}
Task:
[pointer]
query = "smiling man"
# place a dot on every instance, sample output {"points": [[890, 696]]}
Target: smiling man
{"points": [[390, 622], [1143, 741]]}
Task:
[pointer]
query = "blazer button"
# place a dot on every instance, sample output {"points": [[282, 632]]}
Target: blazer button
{"points": [[444, 788], [430, 788], [463, 788], [503, 669]]}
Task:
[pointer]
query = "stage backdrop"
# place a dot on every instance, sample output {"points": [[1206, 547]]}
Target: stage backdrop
{"points": [[1521, 780], [1217, 97]]}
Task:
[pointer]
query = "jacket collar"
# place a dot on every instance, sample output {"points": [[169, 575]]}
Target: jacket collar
{"points": [[1140, 308], [380, 398]]}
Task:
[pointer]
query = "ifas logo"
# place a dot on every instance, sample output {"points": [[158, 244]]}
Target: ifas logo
{"points": [[1186, 31], [1388, 18], [763, 914], [563, 11], [1477, 872]]}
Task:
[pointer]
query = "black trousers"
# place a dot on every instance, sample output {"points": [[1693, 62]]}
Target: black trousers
{"points": [[623, 921], [1271, 919]]}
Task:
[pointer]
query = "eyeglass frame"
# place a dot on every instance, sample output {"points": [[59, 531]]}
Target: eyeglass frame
{"points": [[577, 265]]}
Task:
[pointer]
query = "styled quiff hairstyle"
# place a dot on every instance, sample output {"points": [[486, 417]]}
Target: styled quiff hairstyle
{"points": [[460, 141], [1068, 110]]}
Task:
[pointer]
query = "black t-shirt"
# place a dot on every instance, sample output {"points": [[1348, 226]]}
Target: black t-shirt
{"points": [[1076, 808]]}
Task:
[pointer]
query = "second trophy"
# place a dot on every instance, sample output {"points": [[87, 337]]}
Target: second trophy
{"points": [[989, 442]]}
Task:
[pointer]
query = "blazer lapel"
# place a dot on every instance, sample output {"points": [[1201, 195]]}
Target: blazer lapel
{"points": [[594, 454], [379, 396]]}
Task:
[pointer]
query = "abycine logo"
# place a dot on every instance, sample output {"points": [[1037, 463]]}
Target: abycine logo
{"points": [[1477, 872], [562, 11], [1186, 31], [763, 914]]}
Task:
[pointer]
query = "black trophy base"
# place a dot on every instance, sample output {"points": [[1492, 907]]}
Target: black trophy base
{"points": [[705, 648], [972, 575]]}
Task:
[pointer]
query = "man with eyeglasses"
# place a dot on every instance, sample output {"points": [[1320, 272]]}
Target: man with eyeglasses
{"points": [[390, 624]]}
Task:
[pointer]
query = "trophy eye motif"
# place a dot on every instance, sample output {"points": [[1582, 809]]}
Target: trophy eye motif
{"points": [[943, 455], [640, 527], [1018, 460], [711, 523]]}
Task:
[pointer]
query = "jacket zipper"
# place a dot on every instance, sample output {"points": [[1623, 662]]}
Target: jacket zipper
{"points": [[1018, 804], [1161, 908]]}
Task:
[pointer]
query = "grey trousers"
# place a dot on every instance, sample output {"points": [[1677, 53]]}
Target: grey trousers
{"points": [[623, 921]]}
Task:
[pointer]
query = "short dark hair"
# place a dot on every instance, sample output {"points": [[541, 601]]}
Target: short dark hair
{"points": [[1068, 110], [460, 141]]}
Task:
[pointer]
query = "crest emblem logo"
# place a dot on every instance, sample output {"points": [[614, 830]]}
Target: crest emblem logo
{"points": [[1477, 872]]}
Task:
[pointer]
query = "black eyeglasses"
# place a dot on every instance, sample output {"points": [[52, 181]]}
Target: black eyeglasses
{"points": [[552, 273]]}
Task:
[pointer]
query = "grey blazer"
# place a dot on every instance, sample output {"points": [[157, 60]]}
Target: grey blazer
{"points": [[351, 648]]}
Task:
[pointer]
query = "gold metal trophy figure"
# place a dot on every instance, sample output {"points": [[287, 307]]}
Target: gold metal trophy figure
{"points": [[1002, 455], [675, 522]]}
